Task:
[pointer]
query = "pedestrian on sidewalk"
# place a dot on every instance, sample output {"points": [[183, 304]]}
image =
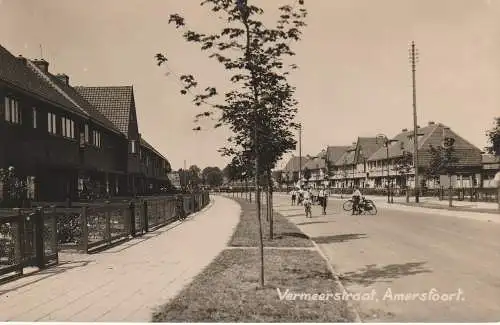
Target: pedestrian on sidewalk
{"points": [[323, 198], [307, 206]]}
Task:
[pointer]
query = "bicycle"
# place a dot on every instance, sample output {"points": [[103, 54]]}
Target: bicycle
{"points": [[365, 206]]}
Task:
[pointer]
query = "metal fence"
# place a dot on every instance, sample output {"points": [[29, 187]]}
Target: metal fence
{"points": [[28, 237], [33, 237]]}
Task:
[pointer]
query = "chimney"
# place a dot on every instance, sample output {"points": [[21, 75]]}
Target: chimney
{"points": [[64, 78], [42, 65], [404, 130], [431, 123]]}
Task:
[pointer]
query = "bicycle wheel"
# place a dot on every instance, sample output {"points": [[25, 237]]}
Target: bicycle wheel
{"points": [[347, 206], [372, 208]]}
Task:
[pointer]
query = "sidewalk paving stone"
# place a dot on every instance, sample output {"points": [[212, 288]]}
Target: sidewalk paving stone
{"points": [[126, 282]]}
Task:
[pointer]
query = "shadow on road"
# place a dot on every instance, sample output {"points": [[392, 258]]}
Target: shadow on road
{"points": [[313, 222], [337, 238], [372, 273], [292, 234], [294, 215]]}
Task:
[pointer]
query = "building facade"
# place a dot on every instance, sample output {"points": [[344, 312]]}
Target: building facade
{"points": [[60, 143]]}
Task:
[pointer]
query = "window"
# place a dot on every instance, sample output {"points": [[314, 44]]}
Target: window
{"points": [[12, 111], [86, 133], [34, 118], [67, 127], [51, 122], [133, 149], [96, 138]]}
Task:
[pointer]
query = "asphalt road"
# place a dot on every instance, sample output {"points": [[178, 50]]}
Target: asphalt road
{"points": [[410, 253]]}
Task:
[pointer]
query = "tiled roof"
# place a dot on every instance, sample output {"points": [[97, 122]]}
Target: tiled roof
{"points": [[335, 152], [293, 164], [83, 103], [347, 158], [114, 103], [467, 154], [145, 144], [366, 147], [315, 163], [16, 72]]}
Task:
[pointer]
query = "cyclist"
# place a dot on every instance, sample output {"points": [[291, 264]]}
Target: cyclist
{"points": [[356, 198]]}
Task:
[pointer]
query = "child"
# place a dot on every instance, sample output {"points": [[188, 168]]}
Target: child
{"points": [[307, 206]]}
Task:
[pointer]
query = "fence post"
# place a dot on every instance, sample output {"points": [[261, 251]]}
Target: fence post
{"points": [[19, 250], [84, 244], [54, 243], [107, 214], [131, 218], [145, 217], [39, 248]]}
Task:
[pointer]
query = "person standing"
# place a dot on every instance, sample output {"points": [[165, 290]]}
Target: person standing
{"points": [[294, 196], [323, 198]]}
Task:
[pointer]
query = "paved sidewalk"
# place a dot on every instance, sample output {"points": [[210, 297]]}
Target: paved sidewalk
{"points": [[127, 282]]}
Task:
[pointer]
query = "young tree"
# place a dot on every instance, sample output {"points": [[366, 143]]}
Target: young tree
{"points": [[494, 138], [403, 167], [260, 108], [444, 162]]}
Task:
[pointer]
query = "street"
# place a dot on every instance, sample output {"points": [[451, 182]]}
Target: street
{"points": [[404, 252]]}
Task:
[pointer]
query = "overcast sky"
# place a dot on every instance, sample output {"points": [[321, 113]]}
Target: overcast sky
{"points": [[354, 78]]}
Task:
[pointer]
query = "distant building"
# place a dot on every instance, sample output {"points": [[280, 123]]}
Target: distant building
{"points": [[175, 179], [491, 166]]}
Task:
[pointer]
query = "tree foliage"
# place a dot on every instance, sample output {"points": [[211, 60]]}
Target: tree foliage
{"points": [[494, 138], [443, 159], [404, 164], [212, 176], [260, 108]]}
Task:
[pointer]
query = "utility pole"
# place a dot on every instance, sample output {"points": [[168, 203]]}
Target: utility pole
{"points": [[413, 61], [300, 154]]}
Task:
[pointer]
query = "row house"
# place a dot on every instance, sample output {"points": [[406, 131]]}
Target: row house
{"points": [[351, 169], [48, 134], [372, 162], [147, 169], [490, 167], [467, 169], [60, 143], [291, 172], [318, 169]]}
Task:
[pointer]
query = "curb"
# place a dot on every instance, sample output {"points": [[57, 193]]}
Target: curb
{"points": [[336, 278]]}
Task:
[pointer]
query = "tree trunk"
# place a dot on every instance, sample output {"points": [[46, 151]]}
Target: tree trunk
{"points": [[256, 148], [270, 204], [450, 194]]}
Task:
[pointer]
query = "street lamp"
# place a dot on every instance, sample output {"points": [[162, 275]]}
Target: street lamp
{"points": [[387, 142]]}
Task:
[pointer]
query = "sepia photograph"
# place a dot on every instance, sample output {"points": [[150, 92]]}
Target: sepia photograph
{"points": [[250, 161]]}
